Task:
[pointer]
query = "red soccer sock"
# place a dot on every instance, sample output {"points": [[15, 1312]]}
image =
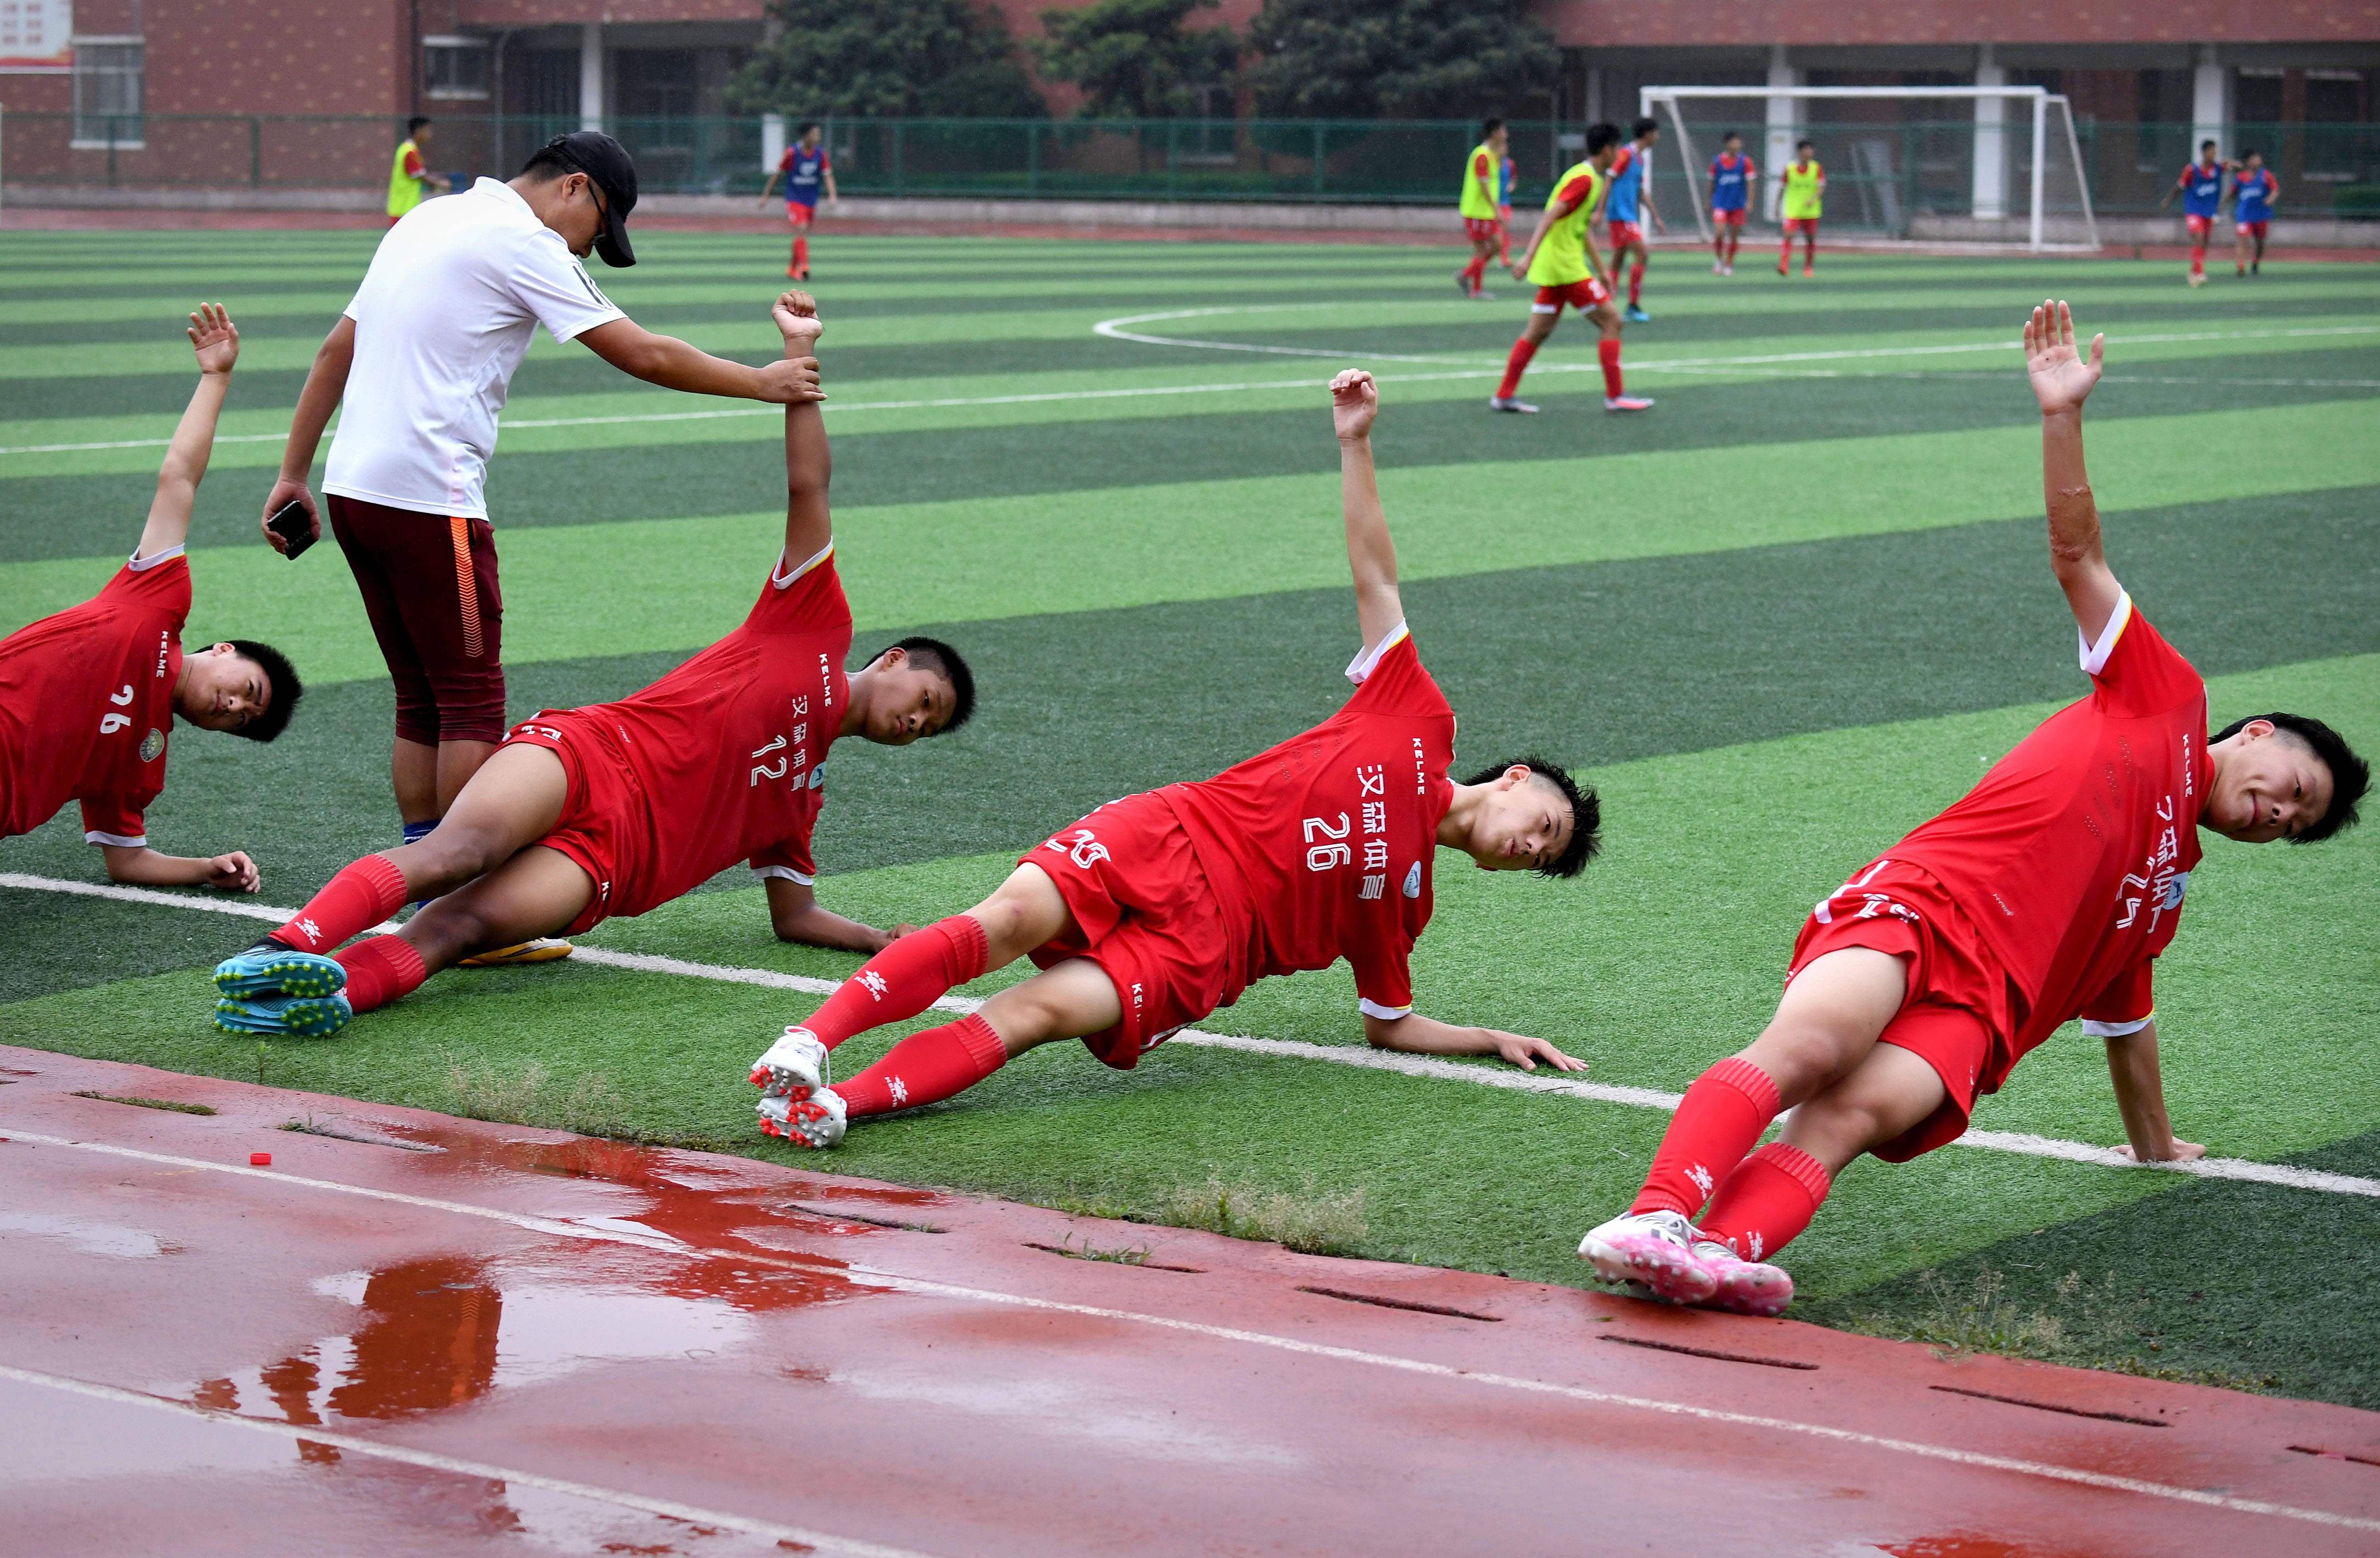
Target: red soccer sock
{"points": [[801, 254], [1477, 272], [1787, 257], [1635, 284], [2198, 260], [357, 899], [927, 1067], [903, 979], [1720, 1117], [1609, 352], [381, 970], [1514, 366], [1767, 1200]]}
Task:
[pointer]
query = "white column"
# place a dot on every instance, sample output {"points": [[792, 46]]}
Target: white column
{"points": [[1991, 138], [772, 142], [2210, 99], [590, 76], [1784, 120]]}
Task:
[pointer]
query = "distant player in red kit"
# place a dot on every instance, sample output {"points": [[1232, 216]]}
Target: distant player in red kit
{"points": [[2253, 191], [2201, 188], [1732, 177], [1153, 910], [804, 167], [618, 808], [1563, 264], [88, 697], [2045, 895]]}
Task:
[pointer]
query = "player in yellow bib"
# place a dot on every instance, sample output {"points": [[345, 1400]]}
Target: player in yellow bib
{"points": [[1806, 192], [1567, 270], [1482, 218], [409, 179]]}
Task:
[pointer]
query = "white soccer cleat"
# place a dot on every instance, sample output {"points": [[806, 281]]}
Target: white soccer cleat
{"points": [[1509, 403], [796, 1067], [1655, 1249], [1627, 403], [1717, 269], [1745, 1287], [1727, 269], [818, 1120]]}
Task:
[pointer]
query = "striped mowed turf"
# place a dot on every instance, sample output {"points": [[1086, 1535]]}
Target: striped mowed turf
{"points": [[1787, 615]]}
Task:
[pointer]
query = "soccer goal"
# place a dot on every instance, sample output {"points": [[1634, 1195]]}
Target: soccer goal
{"points": [[1949, 165]]}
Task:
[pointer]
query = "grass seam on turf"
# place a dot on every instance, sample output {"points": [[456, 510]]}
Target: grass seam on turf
{"points": [[1419, 1066], [925, 1287]]}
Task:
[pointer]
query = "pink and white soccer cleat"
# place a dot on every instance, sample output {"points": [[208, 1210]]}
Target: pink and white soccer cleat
{"points": [[1627, 403], [796, 1067], [818, 1120], [1745, 1287], [1655, 1249]]}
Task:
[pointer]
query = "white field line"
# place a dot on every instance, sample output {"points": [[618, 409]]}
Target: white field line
{"points": [[1470, 371], [1368, 1059], [612, 1231], [668, 1509]]}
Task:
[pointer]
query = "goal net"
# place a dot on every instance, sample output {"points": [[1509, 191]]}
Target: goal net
{"points": [[1945, 165]]}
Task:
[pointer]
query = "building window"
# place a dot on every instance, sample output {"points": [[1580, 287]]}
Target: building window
{"points": [[453, 66], [107, 92], [2333, 97], [2256, 97]]}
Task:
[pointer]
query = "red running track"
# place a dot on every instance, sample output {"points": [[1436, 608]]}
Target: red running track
{"points": [[453, 1335]]}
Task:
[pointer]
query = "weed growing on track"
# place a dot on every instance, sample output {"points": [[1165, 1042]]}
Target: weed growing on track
{"points": [[528, 1094]]}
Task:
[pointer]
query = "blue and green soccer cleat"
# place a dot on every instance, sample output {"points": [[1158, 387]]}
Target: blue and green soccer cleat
{"points": [[306, 1016], [268, 969]]}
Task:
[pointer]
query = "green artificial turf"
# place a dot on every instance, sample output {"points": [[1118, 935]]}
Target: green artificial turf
{"points": [[1778, 620]]}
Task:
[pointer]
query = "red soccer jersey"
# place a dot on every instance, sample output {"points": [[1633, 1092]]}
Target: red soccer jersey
{"points": [[87, 702], [729, 749], [1321, 847], [2072, 857]]}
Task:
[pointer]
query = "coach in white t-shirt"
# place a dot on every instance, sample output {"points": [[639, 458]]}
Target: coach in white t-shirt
{"points": [[424, 357]]}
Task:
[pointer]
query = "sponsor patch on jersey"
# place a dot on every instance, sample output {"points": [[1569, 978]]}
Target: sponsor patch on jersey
{"points": [[152, 745], [1413, 881]]}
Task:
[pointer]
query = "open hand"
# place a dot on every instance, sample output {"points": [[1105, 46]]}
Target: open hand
{"points": [[234, 873], [2182, 1152], [283, 491], [1354, 401], [1524, 1053], [215, 338], [2063, 379]]}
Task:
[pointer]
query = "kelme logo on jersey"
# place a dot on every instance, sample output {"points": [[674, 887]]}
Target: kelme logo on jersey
{"points": [[1413, 881], [152, 745]]}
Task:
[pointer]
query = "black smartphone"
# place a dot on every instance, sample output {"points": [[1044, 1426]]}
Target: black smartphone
{"points": [[290, 523]]}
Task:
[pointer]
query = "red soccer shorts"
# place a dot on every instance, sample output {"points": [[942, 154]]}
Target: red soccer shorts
{"points": [[599, 829], [798, 214], [1482, 229], [1584, 296], [428, 584], [2199, 226], [1728, 218], [1958, 1016], [1801, 224], [1143, 912], [2253, 230], [1626, 235]]}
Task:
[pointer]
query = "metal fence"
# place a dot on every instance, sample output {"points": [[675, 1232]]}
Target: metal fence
{"points": [[2326, 170]]}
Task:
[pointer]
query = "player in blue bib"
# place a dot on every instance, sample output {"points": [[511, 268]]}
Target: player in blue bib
{"points": [[1627, 192], [1731, 177], [2253, 191], [2201, 188], [804, 167]]}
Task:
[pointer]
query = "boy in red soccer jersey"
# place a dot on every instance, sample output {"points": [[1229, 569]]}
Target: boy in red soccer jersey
{"points": [[2201, 188], [1568, 273], [88, 695], [2045, 895], [1156, 909], [2253, 191], [616, 808], [1486, 214]]}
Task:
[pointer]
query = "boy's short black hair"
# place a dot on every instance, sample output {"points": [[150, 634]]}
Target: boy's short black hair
{"points": [[1600, 135], [1730, 135], [1637, 128], [1489, 127], [286, 690], [1806, 142], [413, 125], [1586, 811], [937, 656], [2349, 774], [805, 127], [2248, 152], [2204, 144]]}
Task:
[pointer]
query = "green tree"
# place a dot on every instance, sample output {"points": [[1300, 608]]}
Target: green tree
{"points": [[886, 57], [1406, 59], [1133, 58]]}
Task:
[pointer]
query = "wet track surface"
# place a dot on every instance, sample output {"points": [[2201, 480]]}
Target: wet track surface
{"points": [[457, 1335]]}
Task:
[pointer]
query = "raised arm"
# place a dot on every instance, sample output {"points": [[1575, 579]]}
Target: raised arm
{"points": [[216, 341], [673, 364], [809, 463], [2063, 379], [326, 382], [1371, 557]]}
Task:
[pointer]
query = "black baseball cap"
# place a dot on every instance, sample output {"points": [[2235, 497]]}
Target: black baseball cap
{"points": [[607, 162]]}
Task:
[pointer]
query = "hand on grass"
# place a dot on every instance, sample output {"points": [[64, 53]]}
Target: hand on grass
{"points": [[1524, 1052], [215, 338], [1354, 402], [234, 873], [2182, 1152], [283, 491], [2062, 379]]}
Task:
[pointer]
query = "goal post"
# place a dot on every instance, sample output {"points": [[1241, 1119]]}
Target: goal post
{"points": [[1981, 164]]}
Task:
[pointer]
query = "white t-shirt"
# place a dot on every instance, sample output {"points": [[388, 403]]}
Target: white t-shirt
{"points": [[443, 317]]}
